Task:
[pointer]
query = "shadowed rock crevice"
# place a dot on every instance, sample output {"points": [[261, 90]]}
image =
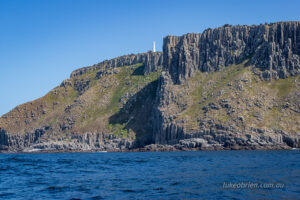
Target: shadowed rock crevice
{"points": [[139, 71], [137, 113]]}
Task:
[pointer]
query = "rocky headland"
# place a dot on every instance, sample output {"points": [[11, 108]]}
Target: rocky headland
{"points": [[233, 87]]}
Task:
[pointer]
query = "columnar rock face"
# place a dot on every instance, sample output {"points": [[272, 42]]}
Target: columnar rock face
{"points": [[272, 51], [19, 142], [165, 130], [272, 48], [172, 126], [210, 94], [152, 61], [86, 142]]}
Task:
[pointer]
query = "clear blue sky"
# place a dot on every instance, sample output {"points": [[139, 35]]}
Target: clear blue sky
{"points": [[42, 42]]}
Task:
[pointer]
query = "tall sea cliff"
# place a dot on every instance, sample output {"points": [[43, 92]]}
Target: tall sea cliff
{"points": [[233, 87]]}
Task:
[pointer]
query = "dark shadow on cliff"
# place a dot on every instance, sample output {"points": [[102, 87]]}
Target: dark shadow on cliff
{"points": [[139, 71], [137, 112]]}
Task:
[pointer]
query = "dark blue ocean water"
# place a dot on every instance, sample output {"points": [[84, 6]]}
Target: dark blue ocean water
{"points": [[150, 175]]}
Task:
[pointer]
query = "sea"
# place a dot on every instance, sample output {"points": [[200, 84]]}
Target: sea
{"points": [[151, 175]]}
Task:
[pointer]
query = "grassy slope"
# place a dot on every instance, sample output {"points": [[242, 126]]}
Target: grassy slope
{"points": [[104, 99], [87, 110], [258, 103]]}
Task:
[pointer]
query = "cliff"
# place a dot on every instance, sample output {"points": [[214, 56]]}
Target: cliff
{"points": [[213, 90], [233, 87], [151, 61], [232, 108], [274, 49]]}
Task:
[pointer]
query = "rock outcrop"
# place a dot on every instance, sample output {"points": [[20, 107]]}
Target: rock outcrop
{"points": [[180, 121], [151, 60], [274, 49], [19, 142], [271, 51], [32, 142]]}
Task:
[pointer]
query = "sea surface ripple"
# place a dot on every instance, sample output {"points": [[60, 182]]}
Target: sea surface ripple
{"points": [[149, 175]]}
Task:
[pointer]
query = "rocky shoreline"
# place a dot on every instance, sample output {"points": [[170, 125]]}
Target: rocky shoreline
{"points": [[184, 145], [160, 148], [39, 142]]}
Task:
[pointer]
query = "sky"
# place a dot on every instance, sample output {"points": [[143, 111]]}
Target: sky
{"points": [[43, 41]]}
